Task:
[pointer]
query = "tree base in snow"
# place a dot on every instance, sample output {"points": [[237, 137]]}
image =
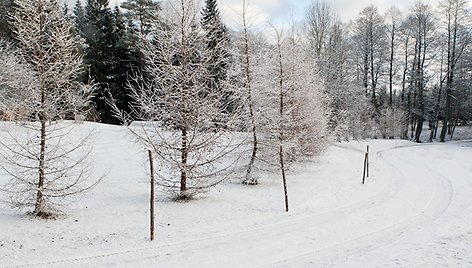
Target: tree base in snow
{"points": [[250, 181], [44, 215], [184, 197]]}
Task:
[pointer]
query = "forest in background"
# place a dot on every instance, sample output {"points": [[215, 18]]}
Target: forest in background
{"points": [[385, 75]]}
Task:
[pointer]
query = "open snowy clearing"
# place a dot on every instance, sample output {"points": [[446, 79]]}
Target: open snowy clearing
{"points": [[413, 211]]}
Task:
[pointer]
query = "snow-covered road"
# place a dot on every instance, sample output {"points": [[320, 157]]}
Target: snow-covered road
{"points": [[406, 223], [414, 211]]}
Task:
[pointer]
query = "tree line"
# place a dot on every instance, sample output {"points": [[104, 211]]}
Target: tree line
{"points": [[413, 68]]}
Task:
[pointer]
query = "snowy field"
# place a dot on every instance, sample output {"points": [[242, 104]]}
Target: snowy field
{"points": [[415, 210]]}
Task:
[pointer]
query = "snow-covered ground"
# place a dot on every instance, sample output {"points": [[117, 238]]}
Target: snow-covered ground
{"points": [[415, 210]]}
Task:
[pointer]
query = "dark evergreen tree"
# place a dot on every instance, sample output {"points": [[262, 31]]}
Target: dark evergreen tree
{"points": [[6, 7], [141, 14], [108, 57], [79, 16], [217, 42]]}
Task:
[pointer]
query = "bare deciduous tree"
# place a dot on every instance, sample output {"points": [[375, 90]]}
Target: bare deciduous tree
{"points": [[296, 120], [47, 164], [459, 35], [183, 120]]}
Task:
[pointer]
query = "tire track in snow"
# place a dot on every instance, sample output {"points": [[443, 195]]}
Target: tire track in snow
{"points": [[332, 215], [294, 225], [435, 207]]}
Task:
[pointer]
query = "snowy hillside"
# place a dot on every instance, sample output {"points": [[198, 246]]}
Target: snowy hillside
{"points": [[413, 211]]}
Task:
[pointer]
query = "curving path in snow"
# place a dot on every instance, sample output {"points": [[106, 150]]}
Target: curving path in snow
{"points": [[414, 211]]}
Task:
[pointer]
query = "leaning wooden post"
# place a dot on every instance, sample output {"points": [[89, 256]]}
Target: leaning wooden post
{"points": [[151, 165], [284, 179], [367, 161], [365, 168]]}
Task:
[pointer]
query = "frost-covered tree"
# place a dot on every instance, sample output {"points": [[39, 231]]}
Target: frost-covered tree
{"points": [[370, 43], [393, 21], [16, 78], [330, 49], [320, 18], [296, 120], [421, 21], [179, 108], [46, 164], [246, 65], [458, 23]]}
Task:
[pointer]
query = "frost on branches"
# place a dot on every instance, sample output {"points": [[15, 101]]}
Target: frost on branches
{"points": [[184, 120], [293, 121], [47, 166], [295, 115], [16, 83]]}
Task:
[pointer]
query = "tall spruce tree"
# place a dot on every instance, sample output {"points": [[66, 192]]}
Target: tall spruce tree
{"points": [[6, 7], [107, 56], [79, 16], [217, 42], [141, 14]]}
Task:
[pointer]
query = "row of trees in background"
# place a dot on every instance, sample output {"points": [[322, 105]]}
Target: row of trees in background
{"points": [[413, 68]]}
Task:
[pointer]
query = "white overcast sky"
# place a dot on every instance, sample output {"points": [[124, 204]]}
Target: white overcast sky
{"points": [[280, 11]]}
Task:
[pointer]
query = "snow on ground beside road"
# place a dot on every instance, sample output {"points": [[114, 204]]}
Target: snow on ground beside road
{"points": [[413, 211]]}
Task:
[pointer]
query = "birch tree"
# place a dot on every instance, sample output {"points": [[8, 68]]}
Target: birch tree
{"points": [[46, 165]]}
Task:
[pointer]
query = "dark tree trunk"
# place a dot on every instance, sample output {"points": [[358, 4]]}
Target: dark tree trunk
{"points": [[183, 168], [39, 208], [250, 180], [284, 179]]}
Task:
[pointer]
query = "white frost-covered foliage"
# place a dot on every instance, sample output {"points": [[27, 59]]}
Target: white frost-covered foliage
{"points": [[46, 165], [17, 82], [291, 103], [185, 122]]}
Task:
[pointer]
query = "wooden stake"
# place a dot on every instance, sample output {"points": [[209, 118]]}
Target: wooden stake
{"points": [[151, 164], [367, 161], [284, 179]]}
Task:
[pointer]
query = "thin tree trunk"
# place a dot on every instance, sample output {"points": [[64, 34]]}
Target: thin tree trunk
{"points": [[281, 122], [434, 130], [40, 206], [151, 170], [183, 168], [405, 103], [390, 69], [249, 180], [284, 179]]}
